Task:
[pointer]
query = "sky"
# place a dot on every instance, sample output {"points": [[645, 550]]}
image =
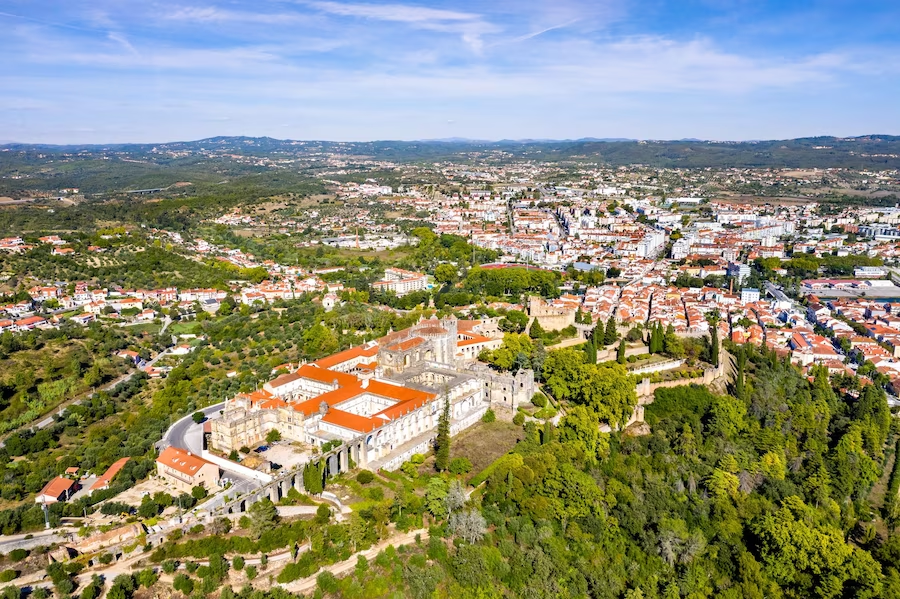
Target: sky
{"points": [[105, 71]]}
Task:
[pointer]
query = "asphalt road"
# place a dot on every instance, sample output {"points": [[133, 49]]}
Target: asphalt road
{"points": [[187, 434]]}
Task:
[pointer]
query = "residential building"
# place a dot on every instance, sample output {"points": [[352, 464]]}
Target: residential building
{"points": [[58, 489], [183, 470]]}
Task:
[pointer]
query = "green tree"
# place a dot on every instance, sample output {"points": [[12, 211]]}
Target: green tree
{"points": [[312, 478], [514, 321], [590, 353], [445, 273], [442, 440], [610, 334], [263, 516], [620, 352], [580, 427], [811, 559]]}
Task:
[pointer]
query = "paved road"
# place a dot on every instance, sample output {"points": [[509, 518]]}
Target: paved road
{"points": [[187, 434], [776, 292]]}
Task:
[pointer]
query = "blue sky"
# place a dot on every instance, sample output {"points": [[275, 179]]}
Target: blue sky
{"points": [[104, 71]]}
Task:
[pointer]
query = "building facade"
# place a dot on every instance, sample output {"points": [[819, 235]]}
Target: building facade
{"points": [[183, 470], [390, 392]]}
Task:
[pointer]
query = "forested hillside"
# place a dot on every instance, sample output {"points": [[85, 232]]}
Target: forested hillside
{"points": [[762, 493]]}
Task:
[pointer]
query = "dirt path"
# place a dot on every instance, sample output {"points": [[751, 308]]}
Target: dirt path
{"points": [[340, 568]]}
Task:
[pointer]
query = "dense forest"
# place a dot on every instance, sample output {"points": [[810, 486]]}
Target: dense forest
{"points": [[777, 489]]}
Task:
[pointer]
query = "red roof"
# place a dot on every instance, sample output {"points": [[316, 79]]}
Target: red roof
{"points": [[57, 487], [408, 344], [181, 460], [347, 355], [350, 421], [103, 481], [29, 320]]}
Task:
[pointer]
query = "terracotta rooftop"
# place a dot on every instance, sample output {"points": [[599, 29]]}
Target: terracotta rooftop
{"points": [[103, 481], [181, 460], [57, 487], [347, 355]]}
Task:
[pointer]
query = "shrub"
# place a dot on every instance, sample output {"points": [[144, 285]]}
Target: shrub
{"points": [[114, 508], [327, 582], [169, 566], [489, 416], [376, 493], [460, 465], [539, 400], [8, 575], [417, 458], [519, 419], [106, 558], [198, 417], [147, 578], [183, 584], [365, 477], [191, 566], [18, 555], [250, 571]]}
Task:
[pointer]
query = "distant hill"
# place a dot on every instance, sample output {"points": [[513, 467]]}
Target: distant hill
{"points": [[100, 168]]}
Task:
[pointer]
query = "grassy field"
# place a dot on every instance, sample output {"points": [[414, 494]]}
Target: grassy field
{"points": [[482, 444], [182, 328]]}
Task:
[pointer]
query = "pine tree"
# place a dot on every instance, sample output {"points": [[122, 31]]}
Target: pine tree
{"points": [[610, 334], [442, 441], [547, 435], [590, 353], [620, 354], [536, 331]]}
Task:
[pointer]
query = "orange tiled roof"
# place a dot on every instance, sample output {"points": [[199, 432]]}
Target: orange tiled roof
{"points": [[346, 355], [408, 344], [107, 477], [57, 487], [181, 460], [350, 421]]}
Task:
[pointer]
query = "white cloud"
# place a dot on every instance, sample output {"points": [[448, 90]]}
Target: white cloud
{"points": [[209, 14], [394, 12], [471, 27]]}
